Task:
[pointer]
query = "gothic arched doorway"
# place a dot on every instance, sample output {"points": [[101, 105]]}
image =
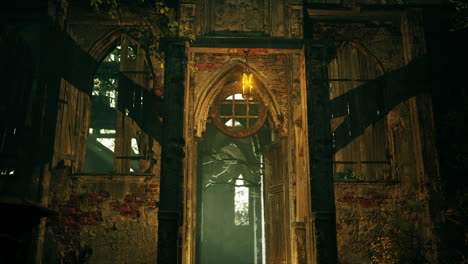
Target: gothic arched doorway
{"points": [[231, 179], [242, 208]]}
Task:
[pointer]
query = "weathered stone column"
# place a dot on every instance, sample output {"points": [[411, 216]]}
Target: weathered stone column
{"points": [[320, 152], [170, 206]]}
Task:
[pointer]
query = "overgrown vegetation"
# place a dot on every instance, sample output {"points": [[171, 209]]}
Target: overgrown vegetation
{"points": [[106, 79], [391, 234], [459, 19], [395, 238]]}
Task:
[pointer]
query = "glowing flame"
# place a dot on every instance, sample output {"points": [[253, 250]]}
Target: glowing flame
{"points": [[247, 84]]}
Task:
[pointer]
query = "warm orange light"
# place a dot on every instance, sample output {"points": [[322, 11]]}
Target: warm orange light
{"points": [[247, 84]]}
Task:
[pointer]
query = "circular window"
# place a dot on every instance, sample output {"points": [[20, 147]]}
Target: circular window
{"points": [[237, 116]]}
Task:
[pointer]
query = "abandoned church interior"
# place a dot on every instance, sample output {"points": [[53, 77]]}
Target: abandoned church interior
{"points": [[233, 131]]}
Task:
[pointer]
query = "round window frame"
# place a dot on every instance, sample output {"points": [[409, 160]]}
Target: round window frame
{"points": [[229, 131]]}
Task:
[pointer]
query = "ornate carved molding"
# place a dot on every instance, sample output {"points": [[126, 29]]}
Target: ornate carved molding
{"points": [[296, 18], [249, 18]]}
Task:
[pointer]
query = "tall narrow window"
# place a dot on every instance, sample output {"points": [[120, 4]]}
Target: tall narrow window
{"points": [[120, 138], [241, 203], [102, 131]]}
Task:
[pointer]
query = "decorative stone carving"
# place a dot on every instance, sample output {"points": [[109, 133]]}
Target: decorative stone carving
{"points": [[236, 15], [295, 22]]}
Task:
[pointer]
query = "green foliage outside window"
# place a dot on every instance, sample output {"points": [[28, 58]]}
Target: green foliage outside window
{"points": [[106, 79]]}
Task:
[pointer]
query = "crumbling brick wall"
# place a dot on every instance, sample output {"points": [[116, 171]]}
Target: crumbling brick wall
{"points": [[103, 219]]}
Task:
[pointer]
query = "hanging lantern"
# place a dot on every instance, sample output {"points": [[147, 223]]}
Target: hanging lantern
{"points": [[247, 84], [247, 79]]}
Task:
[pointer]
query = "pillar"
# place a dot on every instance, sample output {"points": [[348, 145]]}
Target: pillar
{"points": [[172, 143], [423, 130], [320, 151]]}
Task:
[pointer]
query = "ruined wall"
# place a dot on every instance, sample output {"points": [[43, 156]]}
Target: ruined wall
{"points": [[373, 220], [113, 218], [102, 219], [369, 214], [386, 218]]}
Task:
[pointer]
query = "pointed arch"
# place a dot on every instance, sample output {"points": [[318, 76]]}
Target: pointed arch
{"points": [[364, 51], [104, 45], [227, 73]]}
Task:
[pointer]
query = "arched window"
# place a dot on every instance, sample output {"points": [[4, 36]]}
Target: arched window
{"points": [[118, 139]]}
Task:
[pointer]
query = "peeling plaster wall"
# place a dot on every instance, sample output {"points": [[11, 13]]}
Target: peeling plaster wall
{"points": [[356, 205], [103, 219]]}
